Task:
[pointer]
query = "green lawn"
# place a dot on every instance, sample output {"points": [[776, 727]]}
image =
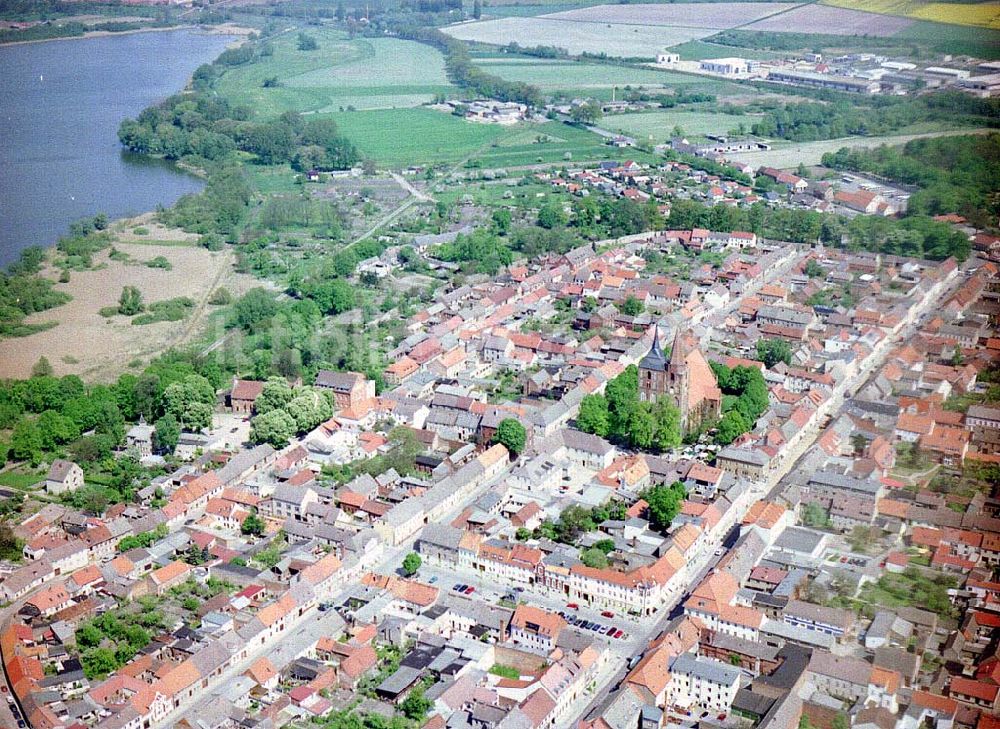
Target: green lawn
{"points": [[657, 126], [373, 73]]}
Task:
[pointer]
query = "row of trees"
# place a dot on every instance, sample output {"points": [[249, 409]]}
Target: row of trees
{"points": [[618, 414], [843, 117], [463, 72], [917, 235]]}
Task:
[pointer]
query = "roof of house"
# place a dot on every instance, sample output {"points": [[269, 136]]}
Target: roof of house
{"points": [[170, 572], [536, 620], [60, 470], [246, 390]]}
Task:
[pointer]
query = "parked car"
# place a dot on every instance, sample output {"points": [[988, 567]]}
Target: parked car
{"points": [[610, 631], [459, 588], [572, 606], [619, 633], [608, 614], [469, 590]]}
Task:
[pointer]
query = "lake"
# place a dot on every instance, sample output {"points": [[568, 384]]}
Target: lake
{"points": [[60, 106]]}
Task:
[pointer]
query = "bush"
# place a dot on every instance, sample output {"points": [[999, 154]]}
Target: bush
{"points": [[168, 310], [220, 297]]}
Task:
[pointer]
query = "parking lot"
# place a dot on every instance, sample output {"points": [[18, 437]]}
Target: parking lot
{"points": [[581, 618]]}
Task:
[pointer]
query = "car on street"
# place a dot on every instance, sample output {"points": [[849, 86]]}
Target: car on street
{"points": [[619, 633], [608, 614], [459, 588], [433, 579], [469, 590], [572, 606]]}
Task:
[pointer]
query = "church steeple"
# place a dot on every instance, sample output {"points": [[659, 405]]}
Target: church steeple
{"points": [[654, 359]]}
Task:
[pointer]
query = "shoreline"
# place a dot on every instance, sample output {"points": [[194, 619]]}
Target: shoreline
{"points": [[239, 35], [234, 30]]}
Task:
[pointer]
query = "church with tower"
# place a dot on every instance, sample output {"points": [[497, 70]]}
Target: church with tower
{"points": [[684, 376]]}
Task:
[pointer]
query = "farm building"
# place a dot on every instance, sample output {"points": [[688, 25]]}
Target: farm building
{"points": [[823, 81], [726, 66]]}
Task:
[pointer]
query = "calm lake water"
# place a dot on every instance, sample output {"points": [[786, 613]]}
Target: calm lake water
{"points": [[60, 106]]}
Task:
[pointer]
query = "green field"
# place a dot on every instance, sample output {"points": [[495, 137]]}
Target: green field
{"points": [[19, 480], [657, 126], [376, 73], [698, 50], [568, 75], [401, 137], [545, 144]]}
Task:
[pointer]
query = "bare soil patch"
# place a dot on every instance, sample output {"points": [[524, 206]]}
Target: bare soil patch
{"points": [[99, 348]]}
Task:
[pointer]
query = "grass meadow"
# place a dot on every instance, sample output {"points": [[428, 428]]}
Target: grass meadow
{"points": [[402, 137], [657, 126], [342, 73]]}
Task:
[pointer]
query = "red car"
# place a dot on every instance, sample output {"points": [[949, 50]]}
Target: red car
{"points": [[572, 606], [619, 634], [608, 614], [469, 590]]}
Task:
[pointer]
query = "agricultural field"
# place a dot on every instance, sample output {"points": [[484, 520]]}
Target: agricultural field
{"points": [[719, 16], [699, 50], [342, 73], [402, 137], [549, 143], [657, 126], [626, 41], [984, 15], [526, 10], [830, 20], [565, 75]]}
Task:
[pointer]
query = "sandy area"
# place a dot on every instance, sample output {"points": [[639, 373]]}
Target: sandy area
{"points": [[96, 348], [124, 231]]}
